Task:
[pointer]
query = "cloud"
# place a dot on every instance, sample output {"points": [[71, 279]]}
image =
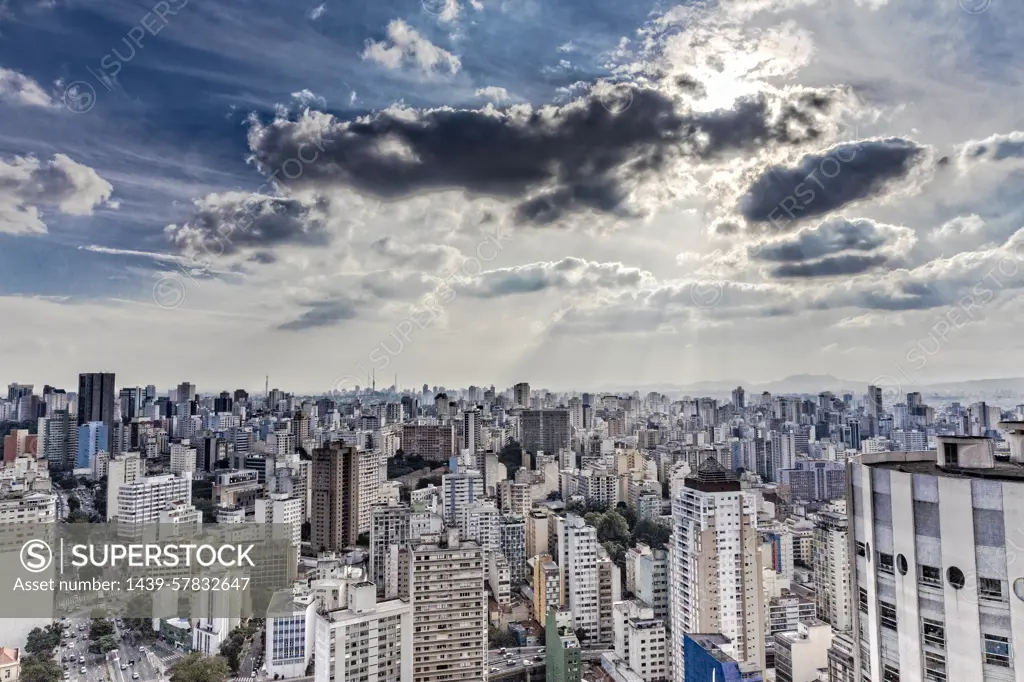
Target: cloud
{"points": [[405, 46], [993, 149], [322, 314], [826, 181], [19, 89], [590, 154], [424, 257], [493, 93], [567, 274], [317, 11], [872, 245], [28, 184], [833, 266], [306, 97], [230, 222]]}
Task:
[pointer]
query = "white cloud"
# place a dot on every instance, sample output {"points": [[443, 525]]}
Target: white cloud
{"points": [[318, 11], [19, 89], [493, 93], [405, 46], [28, 185]]}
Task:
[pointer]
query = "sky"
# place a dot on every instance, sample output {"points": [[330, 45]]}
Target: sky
{"points": [[568, 192]]}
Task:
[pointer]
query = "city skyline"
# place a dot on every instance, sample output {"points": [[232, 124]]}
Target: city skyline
{"points": [[713, 186]]}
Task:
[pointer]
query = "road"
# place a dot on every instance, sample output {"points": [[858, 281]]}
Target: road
{"points": [[253, 653], [99, 668], [497, 661]]}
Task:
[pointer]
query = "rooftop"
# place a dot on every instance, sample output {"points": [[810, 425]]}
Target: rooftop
{"points": [[925, 463]]}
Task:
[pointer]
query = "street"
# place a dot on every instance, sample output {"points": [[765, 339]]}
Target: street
{"points": [[102, 668]]}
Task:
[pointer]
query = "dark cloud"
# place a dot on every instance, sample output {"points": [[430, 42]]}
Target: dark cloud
{"points": [[848, 264], [554, 160], [322, 314], [785, 195], [830, 237], [263, 257], [995, 148], [229, 223]]}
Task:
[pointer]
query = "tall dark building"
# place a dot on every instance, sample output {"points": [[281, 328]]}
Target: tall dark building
{"points": [[224, 403], [334, 480], [96, 396]]}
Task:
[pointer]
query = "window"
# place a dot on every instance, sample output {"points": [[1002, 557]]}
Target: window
{"points": [[901, 564], [885, 563], [861, 550], [934, 667], [933, 633], [990, 589], [890, 673], [863, 600], [997, 650], [931, 576], [955, 577], [887, 615], [950, 455]]}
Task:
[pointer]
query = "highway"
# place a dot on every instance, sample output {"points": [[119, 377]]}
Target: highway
{"points": [[499, 662]]}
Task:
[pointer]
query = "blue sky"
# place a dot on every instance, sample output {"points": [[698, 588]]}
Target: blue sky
{"points": [[645, 165]]}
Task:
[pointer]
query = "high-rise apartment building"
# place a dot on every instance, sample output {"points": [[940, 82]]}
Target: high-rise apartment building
{"points": [[145, 499], [521, 394], [58, 440], [92, 438], [544, 430], [449, 610], [335, 497], [935, 538], [389, 531], [369, 486], [641, 642], [183, 457], [122, 470], [364, 640], [435, 442], [715, 573], [832, 584], [563, 655], [281, 509], [459, 491], [96, 397], [577, 561]]}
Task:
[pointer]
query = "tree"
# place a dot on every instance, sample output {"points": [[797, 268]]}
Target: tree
{"points": [[99, 628], [499, 638], [627, 513], [512, 457], [207, 507], [613, 528], [616, 552], [582, 635], [306, 531], [73, 504], [35, 668], [78, 516], [197, 667], [68, 483], [651, 533], [103, 644], [427, 480], [42, 641]]}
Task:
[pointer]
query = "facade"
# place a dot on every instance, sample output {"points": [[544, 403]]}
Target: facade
{"points": [[365, 640], [786, 612], [122, 470], [435, 442], [449, 610], [17, 507], [832, 584], [96, 397], [650, 579], [547, 585], [577, 561], [544, 430], [801, 654], [145, 499], [93, 437], [10, 664], [815, 480], [389, 531], [935, 541], [281, 509], [183, 457], [459, 491], [369, 486], [641, 641], [562, 655], [708, 657], [715, 575], [334, 480], [58, 440], [512, 540]]}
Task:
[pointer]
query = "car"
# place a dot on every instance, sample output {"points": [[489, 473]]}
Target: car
{"points": [[511, 662], [66, 667], [542, 650], [135, 676], [82, 671], [504, 650], [131, 661], [124, 667], [67, 675], [527, 661], [81, 659]]}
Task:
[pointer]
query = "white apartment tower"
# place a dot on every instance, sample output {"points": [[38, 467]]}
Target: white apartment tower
{"points": [[833, 587], [936, 542], [281, 509], [366, 640], [460, 490], [122, 470], [449, 610], [715, 567], [577, 562], [144, 500], [389, 531]]}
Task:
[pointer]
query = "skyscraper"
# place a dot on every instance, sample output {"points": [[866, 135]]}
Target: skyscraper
{"points": [[521, 394], [545, 430], [96, 396], [335, 497], [936, 538], [715, 565]]}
